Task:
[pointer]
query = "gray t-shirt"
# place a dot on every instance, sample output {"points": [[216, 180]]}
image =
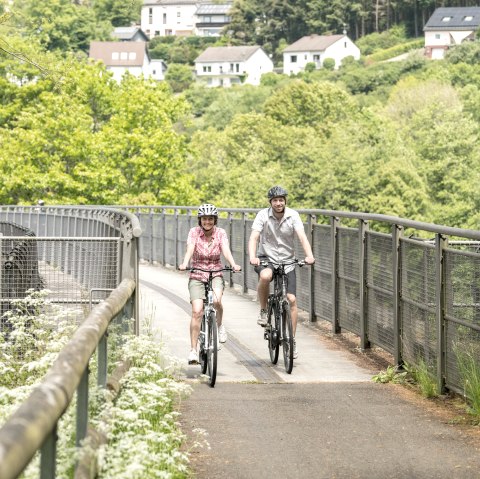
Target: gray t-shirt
{"points": [[277, 237]]}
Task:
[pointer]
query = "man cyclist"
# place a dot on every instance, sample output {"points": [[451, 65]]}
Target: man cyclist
{"points": [[205, 245], [276, 228]]}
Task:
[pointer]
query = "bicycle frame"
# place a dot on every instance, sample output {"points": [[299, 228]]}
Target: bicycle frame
{"points": [[279, 327], [208, 345]]}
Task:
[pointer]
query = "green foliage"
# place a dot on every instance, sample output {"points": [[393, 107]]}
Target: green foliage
{"points": [[230, 102], [328, 64], [319, 105], [466, 52], [182, 50], [385, 54], [374, 42], [423, 377], [179, 77], [390, 375], [469, 367]]}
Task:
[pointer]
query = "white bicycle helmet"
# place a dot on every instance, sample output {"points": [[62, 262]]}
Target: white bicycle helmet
{"points": [[207, 210]]}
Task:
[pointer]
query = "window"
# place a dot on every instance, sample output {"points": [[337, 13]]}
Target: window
{"points": [[157, 33], [123, 55], [164, 18], [207, 69], [179, 14], [293, 58], [150, 15], [132, 56], [468, 18], [437, 36], [316, 58], [237, 67], [446, 19], [305, 57], [345, 44], [115, 56]]}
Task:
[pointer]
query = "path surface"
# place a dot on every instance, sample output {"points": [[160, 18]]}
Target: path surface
{"points": [[325, 420]]}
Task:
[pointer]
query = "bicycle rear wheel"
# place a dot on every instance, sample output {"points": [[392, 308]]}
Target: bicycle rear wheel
{"points": [[212, 351], [274, 331], [202, 347], [287, 337]]}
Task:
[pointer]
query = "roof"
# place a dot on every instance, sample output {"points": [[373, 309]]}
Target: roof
{"points": [[459, 18], [227, 54], [133, 53], [127, 33], [315, 43], [214, 9], [170, 2]]}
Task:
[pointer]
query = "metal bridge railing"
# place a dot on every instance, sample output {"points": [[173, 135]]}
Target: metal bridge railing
{"points": [[408, 287], [84, 256]]}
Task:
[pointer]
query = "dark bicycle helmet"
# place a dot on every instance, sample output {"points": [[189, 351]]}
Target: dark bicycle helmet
{"points": [[207, 210], [276, 191]]}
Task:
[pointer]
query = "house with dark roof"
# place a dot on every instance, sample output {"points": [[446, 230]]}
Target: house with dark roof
{"points": [[227, 66], [129, 34], [120, 57], [449, 26], [316, 49]]}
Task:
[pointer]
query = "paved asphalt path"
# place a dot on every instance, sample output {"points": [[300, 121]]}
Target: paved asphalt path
{"points": [[325, 420]]}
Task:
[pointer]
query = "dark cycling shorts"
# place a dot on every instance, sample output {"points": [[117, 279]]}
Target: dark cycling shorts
{"points": [[291, 277]]}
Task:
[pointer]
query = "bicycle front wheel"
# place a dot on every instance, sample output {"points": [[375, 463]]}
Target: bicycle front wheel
{"points": [[274, 331], [202, 346], [287, 337], [212, 351]]}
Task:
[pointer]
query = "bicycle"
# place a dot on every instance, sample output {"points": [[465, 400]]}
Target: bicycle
{"points": [[207, 339], [279, 329]]}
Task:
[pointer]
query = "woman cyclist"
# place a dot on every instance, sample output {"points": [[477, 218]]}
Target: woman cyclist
{"points": [[205, 245]]}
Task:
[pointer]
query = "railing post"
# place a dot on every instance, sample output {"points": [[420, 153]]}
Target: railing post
{"points": [[82, 407], [362, 270], [175, 241], [397, 232], [311, 273], [164, 241], [334, 222], [230, 235], [152, 237], [441, 243], [102, 354], [48, 456], [245, 253]]}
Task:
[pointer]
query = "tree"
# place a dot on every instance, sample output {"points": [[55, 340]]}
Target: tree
{"points": [[179, 77], [318, 104]]}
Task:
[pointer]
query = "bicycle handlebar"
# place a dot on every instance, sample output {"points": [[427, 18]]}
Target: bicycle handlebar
{"points": [[285, 263], [224, 268]]}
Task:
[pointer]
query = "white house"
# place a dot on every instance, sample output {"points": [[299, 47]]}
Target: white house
{"points": [[211, 18], [184, 17], [227, 66], [120, 57], [316, 49], [450, 26]]}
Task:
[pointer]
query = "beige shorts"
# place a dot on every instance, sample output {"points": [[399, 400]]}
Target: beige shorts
{"points": [[196, 288]]}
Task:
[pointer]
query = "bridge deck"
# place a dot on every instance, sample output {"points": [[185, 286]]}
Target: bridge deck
{"points": [[325, 420]]}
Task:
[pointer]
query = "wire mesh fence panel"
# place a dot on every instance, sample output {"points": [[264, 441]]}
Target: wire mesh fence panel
{"points": [[418, 302], [348, 279], [379, 290], [303, 278], [322, 250], [170, 239], [462, 313], [237, 245]]}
